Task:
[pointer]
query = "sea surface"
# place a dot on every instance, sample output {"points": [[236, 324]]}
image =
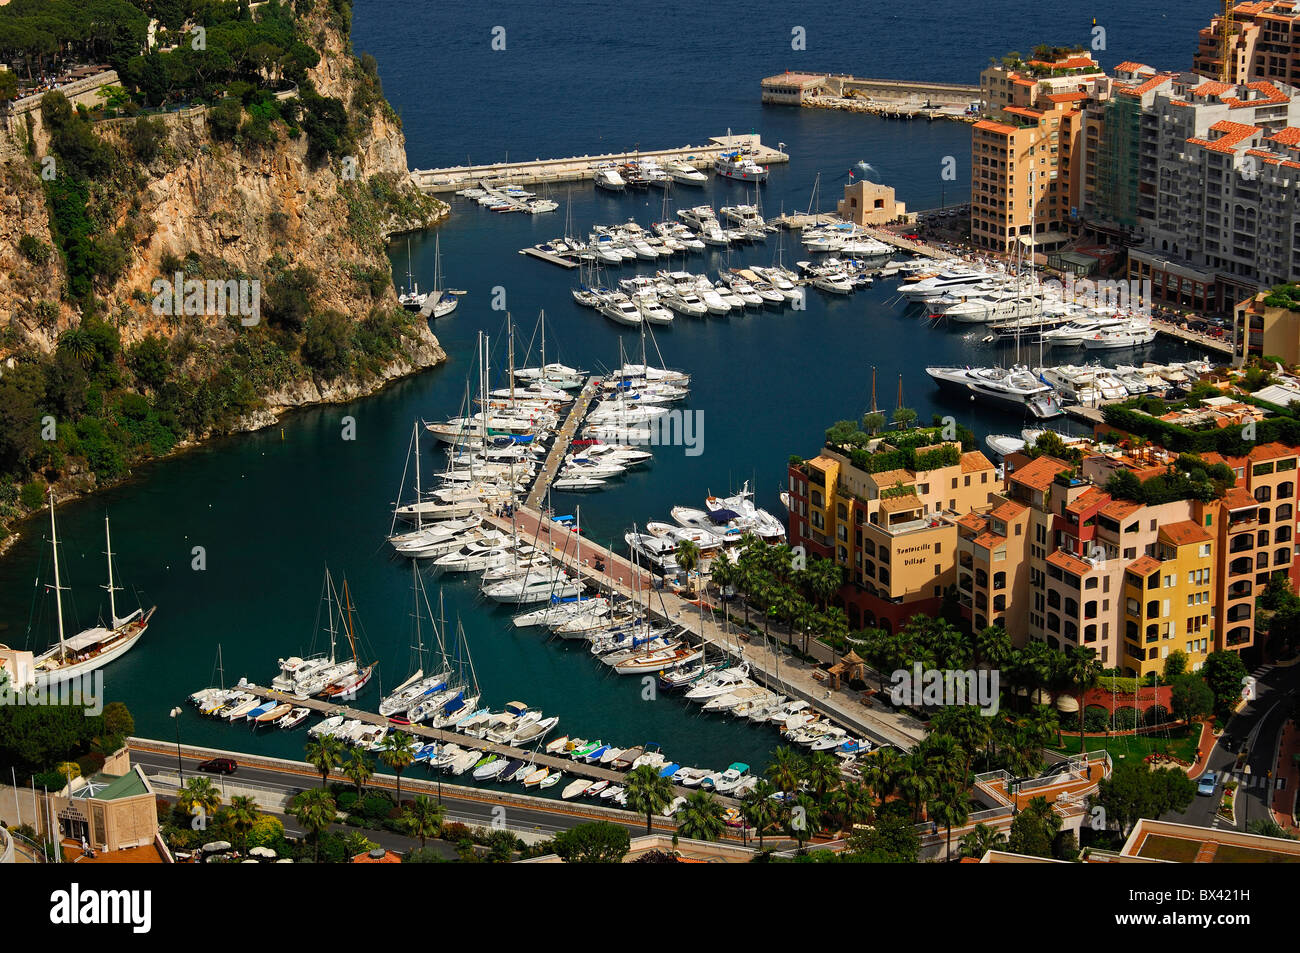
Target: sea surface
{"points": [[272, 509]]}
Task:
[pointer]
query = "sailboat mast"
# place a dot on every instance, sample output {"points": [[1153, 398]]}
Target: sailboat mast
{"points": [[415, 448], [58, 587], [347, 602], [112, 602], [511, 326]]}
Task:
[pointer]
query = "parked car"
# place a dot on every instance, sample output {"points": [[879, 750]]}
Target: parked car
{"points": [[219, 766], [1206, 784]]}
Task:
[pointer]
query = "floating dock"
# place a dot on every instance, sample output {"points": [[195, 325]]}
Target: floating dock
{"points": [[563, 438], [577, 168]]}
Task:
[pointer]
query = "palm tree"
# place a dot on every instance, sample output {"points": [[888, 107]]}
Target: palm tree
{"points": [[701, 817], [647, 792], [77, 343], [359, 769], [314, 810], [242, 815], [805, 817], [758, 808], [1084, 672], [725, 574], [982, 839], [324, 754], [688, 557], [1044, 723], [949, 808], [850, 803], [397, 750], [993, 646], [823, 773], [915, 784], [941, 757], [422, 818], [786, 769], [882, 772], [199, 797]]}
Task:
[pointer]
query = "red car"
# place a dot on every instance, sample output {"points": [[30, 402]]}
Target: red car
{"points": [[219, 766]]}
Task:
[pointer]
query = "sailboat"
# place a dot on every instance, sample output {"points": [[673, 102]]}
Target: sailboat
{"points": [[418, 686], [411, 299], [357, 676], [91, 648], [444, 302]]}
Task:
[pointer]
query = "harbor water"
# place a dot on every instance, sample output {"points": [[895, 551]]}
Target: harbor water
{"points": [[268, 511]]}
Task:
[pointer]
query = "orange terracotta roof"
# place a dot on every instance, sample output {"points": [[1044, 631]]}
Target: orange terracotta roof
{"points": [[1089, 497], [1233, 134], [988, 125], [1119, 509], [1271, 451], [1238, 498], [888, 478], [1142, 88], [1070, 563], [1128, 66], [1067, 97], [1184, 533], [389, 858], [1144, 566], [973, 461], [1213, 88], [1009, 510], [897, 504], [1034, 114], [989, 540], [973, 521], [1038, 473], [1290, 136]]}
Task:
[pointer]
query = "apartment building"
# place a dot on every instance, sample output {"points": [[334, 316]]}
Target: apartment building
{"points": [[893, 530], [1200, 176], [1028, 160], [1261, 329], [1264, 44]]}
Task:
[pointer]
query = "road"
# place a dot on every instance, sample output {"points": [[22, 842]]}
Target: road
{"points": [[1256, 729], [467, 810]]}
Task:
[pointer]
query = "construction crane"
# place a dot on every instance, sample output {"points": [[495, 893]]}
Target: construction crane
{"points": [[1225, 43]]}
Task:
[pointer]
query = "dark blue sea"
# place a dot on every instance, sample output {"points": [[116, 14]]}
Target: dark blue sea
{"points": [[272, 508]]}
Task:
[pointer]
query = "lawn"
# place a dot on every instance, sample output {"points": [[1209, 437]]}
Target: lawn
{"points": [[1179, 742], [1176, 849]]}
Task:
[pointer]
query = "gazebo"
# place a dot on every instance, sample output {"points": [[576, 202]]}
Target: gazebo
{"points": [[847, 669]]}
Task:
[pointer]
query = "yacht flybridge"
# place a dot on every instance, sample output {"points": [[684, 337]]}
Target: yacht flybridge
{"points": [[91, 648], [1014, 385]]}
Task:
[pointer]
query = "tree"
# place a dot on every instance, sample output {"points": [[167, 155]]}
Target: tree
{"points": [[1083, 671], [199, 797], [891, 840], [823, 773], [1034, 828], [982, 839], [786, 769], [1191, 698], [599, 842], [242, 815], [1133, 792], [647, 792], [1175, 666], [700, 817], [422, 818], [758, 809], [1225, 673], [324, 754], [904, 418], [397, 751], [874, 422], [950, 807], [314, 810], [359, 769]]}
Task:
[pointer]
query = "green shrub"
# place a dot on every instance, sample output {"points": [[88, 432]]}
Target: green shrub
{"points": [[34, 250], [33, 495]]}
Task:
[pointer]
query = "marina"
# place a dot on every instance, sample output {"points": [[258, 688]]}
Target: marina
{"points": [[580, 168]]}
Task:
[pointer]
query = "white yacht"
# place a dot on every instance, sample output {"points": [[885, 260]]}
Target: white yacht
{"points": [[607, 177], [1015, 385], [734, 165], [684, 174]]}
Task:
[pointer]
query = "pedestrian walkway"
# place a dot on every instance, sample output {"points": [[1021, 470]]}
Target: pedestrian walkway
{"points": [[1288, 777], [606, 570]]}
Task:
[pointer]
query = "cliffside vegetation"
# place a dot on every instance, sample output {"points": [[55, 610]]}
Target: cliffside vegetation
{"points": [[246, 151]]}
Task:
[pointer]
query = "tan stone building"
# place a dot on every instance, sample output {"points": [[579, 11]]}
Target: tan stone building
{"points": [[108, 811], [1263, 330], [869, 203]]}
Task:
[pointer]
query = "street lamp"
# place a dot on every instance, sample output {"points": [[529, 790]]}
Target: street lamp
{"points": [[180, 769]]}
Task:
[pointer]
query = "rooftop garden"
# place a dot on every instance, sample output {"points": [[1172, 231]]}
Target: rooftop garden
{"points": [[1284, 296], [1190, 478], [1141, 417], [908, 448]]}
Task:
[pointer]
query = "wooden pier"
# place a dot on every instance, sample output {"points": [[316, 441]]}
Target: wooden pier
{"points": [[563, 438], [578, 768], [550, 257], [577, 168]]}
